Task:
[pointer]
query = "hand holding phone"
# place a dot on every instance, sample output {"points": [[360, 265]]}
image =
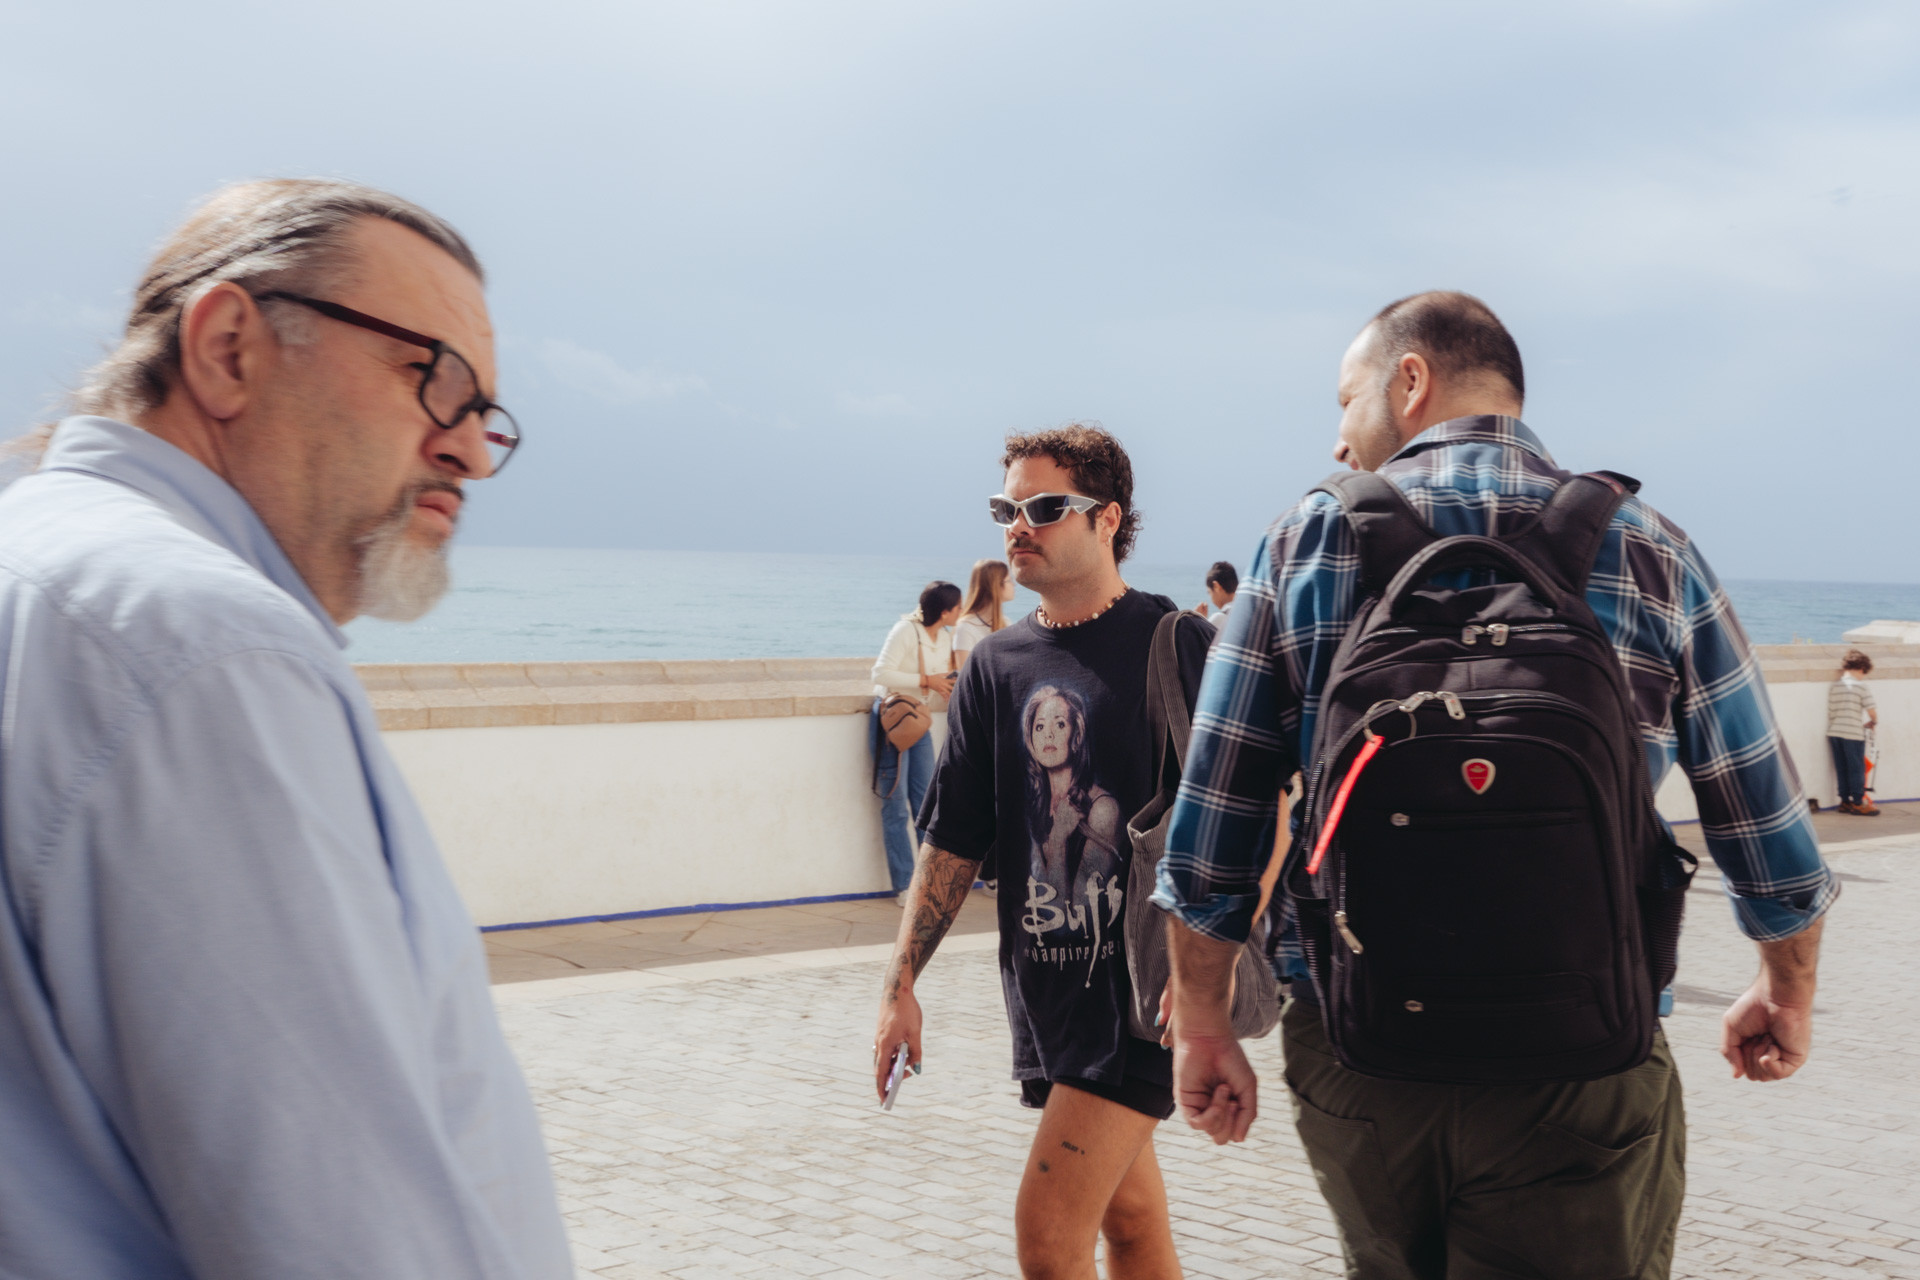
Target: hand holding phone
{"points": [[895, 1076]]}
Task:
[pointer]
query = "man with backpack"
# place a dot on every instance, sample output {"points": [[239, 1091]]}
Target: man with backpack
{"points": [[1484, 665], [1048, 755]]}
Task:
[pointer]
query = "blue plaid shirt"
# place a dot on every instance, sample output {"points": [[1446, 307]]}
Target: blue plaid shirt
{"points": [[1696, 687]]}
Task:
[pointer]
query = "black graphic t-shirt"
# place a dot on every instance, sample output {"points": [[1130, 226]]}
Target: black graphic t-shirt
{"points": [[1047, 757]]}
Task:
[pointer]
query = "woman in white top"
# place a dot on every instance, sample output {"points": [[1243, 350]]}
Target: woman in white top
{"points": [[988, 592], [917, 659], [983, 612]]}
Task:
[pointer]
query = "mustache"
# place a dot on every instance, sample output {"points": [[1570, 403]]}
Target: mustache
{"points": [[437, 485], [403, 508], [1021, 544], [401, 512]]}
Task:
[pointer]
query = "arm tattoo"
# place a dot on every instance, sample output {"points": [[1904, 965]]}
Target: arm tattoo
{"points": [[940, 886]]}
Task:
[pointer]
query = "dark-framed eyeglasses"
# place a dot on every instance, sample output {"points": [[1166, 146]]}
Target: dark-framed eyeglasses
{"points": [[1040, 509], [449, 388]]}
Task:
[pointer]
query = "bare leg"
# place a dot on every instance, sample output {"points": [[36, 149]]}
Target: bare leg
{"points": [[1137, 1227], [1085, 1151]]}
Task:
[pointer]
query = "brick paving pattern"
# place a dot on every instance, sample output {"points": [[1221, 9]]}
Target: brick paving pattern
{"points": [[714, 1119]]}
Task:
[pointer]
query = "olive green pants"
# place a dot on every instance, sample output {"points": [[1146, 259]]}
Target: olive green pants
{"points": [[1547, 1182]]}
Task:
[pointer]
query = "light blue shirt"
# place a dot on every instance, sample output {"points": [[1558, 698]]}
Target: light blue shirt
{"points": [[244, 1021]]}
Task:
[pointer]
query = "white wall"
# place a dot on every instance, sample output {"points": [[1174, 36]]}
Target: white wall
{"points": [[551, 822], [1801, 709]]}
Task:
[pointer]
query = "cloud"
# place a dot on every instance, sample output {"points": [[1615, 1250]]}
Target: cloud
{"points": [[889, 404], [601, 376]]}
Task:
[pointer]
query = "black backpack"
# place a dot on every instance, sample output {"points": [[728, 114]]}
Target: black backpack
{"points": [[1485, 894]]}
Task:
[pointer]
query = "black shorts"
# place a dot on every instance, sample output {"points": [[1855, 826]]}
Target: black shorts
{"points": [[1138, 1090], [1144, 1096]]}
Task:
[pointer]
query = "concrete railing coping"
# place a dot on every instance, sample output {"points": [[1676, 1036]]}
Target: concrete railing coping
{"points": [[452, 695], [1807, 663], [473, 695]]}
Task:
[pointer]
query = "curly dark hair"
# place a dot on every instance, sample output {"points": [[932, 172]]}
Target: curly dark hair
{"points": [[1099, 466]]}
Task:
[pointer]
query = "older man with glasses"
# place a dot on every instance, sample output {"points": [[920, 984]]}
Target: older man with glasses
{"points": [[244, 1021]]}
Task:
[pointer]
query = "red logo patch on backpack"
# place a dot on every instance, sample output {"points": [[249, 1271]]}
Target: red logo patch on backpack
{"points": [[1479, 775]]}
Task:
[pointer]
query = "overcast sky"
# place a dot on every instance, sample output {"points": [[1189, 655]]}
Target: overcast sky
{"points": [[782, 274]]}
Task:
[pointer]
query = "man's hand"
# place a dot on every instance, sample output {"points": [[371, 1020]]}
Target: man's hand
{"points": [[1214, 1084], [1768, 1033], [899, 1020], [1212, 1080], [940, 884]]}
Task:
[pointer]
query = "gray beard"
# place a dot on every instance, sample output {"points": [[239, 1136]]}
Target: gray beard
{"points": [[399, 579]]}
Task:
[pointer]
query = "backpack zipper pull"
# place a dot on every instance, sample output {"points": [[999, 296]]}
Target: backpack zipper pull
{"points": [[1470, 633], [1346, 934], [1499, 632], [1452, 702]]}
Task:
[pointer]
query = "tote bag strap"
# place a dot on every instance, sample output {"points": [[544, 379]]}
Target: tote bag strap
{"points": [[1167, 717]]}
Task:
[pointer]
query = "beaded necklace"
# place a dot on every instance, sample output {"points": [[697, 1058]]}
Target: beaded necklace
{"points": [[1040, 614]]}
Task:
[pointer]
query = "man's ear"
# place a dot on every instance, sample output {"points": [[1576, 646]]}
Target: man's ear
{"points": [[1108, 522], [225, 344], [1413, 386]]}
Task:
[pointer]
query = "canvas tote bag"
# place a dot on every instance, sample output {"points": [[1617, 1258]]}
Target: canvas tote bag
{"points": [[1256, 993]]}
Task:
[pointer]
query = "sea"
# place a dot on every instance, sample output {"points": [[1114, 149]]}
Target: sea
{"points": [[525, 604]]}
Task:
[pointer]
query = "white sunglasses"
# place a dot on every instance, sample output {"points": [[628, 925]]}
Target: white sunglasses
{"points": [[1040, 509]]}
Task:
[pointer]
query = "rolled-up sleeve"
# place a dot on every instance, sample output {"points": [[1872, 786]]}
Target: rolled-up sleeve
{"points": [[1753, 810], [1238, 759], [1259, 701], [228, 959]]}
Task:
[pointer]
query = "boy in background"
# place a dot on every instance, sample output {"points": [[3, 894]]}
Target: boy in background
{"points": [[1850, 716]]}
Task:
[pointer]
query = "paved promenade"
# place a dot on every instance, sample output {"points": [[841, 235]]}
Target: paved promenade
{"points": [[706, 1095]]}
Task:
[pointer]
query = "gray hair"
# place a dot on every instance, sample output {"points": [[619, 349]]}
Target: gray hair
{"points": [[277, 233]]}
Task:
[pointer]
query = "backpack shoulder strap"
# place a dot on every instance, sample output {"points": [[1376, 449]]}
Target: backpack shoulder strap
{"points": [[1566, 536], [1386, 529]]}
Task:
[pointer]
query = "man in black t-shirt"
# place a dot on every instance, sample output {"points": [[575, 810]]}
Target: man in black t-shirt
{"points": [[1048, 754]]}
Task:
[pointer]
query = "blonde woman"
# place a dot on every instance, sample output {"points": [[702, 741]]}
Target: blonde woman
{"points": [[989, 590]]}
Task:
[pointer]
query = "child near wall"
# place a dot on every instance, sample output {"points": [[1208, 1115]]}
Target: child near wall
{"points": [[1850, 717]]}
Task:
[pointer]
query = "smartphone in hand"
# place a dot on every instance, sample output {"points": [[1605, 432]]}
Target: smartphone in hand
{"points": [[895, 1076]]}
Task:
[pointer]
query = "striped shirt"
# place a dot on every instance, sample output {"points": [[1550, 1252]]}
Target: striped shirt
{"points": [[1848, 701], [1695, 684]]}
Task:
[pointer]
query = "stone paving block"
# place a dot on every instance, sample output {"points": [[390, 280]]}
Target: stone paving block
{"points": [[725, 1126]]}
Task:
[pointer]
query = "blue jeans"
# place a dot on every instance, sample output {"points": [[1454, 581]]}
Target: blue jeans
{"points": [[1849, 768], [898, 810]]}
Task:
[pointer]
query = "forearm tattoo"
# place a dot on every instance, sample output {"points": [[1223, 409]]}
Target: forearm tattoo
{"points": [[940, 885]]}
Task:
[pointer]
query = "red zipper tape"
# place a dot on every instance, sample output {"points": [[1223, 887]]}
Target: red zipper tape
{"points": [[1339, 805]]}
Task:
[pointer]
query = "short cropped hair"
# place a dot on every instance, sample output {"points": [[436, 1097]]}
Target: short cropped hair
{"points": [[1856, 661], [1222, 574], [1098, 465], [280, 233], [1456, 332], [935, 599]]}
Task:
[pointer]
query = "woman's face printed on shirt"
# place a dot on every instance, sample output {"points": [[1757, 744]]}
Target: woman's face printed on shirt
{"points": [[1074, 886], [1051, 732]]}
